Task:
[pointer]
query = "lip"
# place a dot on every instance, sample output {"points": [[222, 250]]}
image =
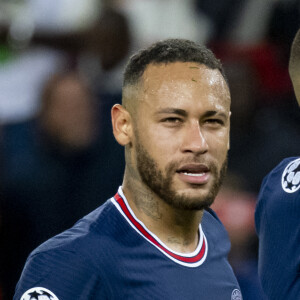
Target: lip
{"points": [[194, 173]]}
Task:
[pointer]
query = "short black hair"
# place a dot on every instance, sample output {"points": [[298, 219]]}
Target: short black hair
{"points": [[169, 51]]}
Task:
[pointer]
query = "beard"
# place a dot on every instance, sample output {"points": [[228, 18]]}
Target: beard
{"points": [[162, 184]]}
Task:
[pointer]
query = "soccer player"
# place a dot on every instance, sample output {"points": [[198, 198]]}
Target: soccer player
{"points": [[156, 238], [277, 216]]}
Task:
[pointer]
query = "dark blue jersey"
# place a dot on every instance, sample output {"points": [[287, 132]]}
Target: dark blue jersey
{"points": [[277, 220], [110, 254]]}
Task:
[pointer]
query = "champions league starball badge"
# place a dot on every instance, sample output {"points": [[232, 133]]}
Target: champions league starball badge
{"points": [[236, 295], [38, 293], [291, 177]]}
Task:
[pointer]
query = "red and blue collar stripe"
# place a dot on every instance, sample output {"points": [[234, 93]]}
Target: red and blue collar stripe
{"points": [[193, 259]]}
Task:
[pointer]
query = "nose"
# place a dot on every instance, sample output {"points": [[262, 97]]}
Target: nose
{"points": [[194, 141]]}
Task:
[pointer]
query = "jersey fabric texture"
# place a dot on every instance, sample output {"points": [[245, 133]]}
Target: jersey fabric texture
{"points": [[277, 219], [110, 254]]}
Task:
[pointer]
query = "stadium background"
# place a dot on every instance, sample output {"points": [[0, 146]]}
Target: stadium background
{"points": [[60, 72]]}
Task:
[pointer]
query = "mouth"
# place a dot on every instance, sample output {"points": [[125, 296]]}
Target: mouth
{"points": [[194, 173]]}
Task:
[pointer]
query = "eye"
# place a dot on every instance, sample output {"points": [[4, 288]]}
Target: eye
{"points": [[214, 122], [172, 120]]}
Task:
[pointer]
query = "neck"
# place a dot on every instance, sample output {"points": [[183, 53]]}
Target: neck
{"points": [[177, 228]]}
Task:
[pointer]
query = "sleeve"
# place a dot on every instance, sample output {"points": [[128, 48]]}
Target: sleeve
{"points": [[62, 275], [277, 219]]}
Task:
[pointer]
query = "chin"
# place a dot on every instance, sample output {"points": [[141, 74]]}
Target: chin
{"points": [[190, 200]]}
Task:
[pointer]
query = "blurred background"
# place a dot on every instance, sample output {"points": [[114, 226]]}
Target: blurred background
{"points": [[61, 71]]}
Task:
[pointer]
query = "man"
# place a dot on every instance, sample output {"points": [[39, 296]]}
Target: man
{"points": [[277, 216], [156, 238]]}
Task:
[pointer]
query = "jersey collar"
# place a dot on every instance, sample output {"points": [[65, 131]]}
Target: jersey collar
{"points": [[193, 259]]}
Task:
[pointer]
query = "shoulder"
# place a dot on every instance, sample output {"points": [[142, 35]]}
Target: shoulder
{"points": [[285, 175], [277, 224], [279, 190], [215, 231], [94, 231], [211, 219], [64, 273], [71, 260]]}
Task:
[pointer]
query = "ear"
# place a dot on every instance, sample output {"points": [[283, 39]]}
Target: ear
{"points": [[122, 125]]}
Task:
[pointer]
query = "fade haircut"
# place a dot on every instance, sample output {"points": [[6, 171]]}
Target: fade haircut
{"points": [[169, 51]]}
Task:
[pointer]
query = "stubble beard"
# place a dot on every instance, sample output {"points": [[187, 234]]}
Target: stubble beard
{"points": [[161, 184]]}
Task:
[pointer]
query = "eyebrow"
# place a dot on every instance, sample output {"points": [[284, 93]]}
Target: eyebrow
{"points": [[212, 113], [176, 111], [181, 112]]}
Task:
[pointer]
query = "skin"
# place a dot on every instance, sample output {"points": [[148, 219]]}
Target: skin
{"points": [[294, 65], [176, 124]]}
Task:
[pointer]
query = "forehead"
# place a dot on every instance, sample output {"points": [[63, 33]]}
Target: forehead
{"points": [[183, 81]]}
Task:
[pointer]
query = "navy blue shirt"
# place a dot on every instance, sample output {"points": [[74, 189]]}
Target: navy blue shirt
{"points": [[110, 254], [277, 219]]}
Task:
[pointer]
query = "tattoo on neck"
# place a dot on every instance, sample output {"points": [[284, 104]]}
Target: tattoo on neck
{"points": [[146, 203]]}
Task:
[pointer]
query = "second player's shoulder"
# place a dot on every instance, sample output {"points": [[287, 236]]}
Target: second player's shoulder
{"points": [[290, 178], [280, 192], [287, 171], [283, 179]]}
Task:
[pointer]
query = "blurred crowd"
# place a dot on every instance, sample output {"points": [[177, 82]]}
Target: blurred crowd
{"points": [[60, 73]]}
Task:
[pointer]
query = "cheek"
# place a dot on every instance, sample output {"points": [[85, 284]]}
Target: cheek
{"points": [[165, 139], [219, 145], [159, 143]]}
